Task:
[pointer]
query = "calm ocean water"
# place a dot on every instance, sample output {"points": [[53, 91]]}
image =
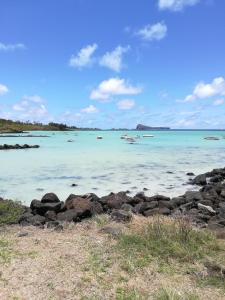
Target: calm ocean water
{"points": [[159, 164]]}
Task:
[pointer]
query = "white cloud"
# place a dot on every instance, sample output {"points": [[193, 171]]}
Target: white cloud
{"points": [[91, 109], [83, 57], [3, 89], [11, 47], [205, 90], [218, 102], [113, 60], [153, 32], [176, 5], [112, 87], [30, 108], [126, 104]]}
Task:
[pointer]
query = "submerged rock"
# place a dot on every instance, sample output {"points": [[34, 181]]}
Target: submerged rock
{"points": [[50, 198]]}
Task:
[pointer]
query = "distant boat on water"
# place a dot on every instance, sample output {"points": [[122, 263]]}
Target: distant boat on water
{"points": [[148, 135]]}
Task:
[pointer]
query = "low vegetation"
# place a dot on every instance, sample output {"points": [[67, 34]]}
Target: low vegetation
{"points": [[167, 239], [5, 251], [18, 126], [10, 212], [9, 126]]}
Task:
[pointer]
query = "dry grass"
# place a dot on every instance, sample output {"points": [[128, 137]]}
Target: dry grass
{"points": [[83, 262]]}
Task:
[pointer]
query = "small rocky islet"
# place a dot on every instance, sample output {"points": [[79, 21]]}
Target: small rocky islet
{"points": [[18, 147], [204, 208]]}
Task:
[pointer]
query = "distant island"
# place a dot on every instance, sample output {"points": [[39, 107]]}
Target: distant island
{"points": [[144, 127]]}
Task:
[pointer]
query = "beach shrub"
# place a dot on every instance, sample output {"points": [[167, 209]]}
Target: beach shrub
{"points": [[166, 239], [10, 212]]}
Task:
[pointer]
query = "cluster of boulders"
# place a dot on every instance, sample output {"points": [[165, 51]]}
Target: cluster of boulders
{"points": [[205, 207], [17, 146]]}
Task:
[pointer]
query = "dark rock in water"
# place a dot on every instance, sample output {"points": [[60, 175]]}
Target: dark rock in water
{"points": [[50, 215], [17, 147], [199, 180], [167, 204], [41, 208], [206, 202], [115, 201], [190, 174], [67, 216], [141, 195], [222, 193], [157, 211], [50, 198], [193, 196], [158, 198], [142, 207], [187, 206], [96, 208], [222, 206], [216, 178], [135, 200], [127, 207], [39, 189], [36, 220], [91, 196], [121, 215], [74, 184], [83, 207], [26, 216], [177, 201]]}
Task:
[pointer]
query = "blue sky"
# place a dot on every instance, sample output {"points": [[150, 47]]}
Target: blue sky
{"points": [[113, 63]]}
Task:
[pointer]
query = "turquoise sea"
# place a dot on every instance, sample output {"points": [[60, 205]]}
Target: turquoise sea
{"points": [[111, 164]]}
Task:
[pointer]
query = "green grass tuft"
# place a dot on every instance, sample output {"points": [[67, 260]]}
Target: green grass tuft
{"points": [[128, 294], [164, 241], [212, 281], [10, 212], [5, 251]]}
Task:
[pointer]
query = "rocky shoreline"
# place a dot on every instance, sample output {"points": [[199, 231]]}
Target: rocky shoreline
{"points": [[17, 146], [204, 208]]}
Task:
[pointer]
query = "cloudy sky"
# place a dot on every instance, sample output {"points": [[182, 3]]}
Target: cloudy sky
{"points": [[99, 63]]}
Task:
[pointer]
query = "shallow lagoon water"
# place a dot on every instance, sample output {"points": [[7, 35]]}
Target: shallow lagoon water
{"points": [[158, 164]]}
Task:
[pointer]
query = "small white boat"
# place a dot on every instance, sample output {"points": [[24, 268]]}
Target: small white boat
{"points": [[99, 137], [148, 135]]}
